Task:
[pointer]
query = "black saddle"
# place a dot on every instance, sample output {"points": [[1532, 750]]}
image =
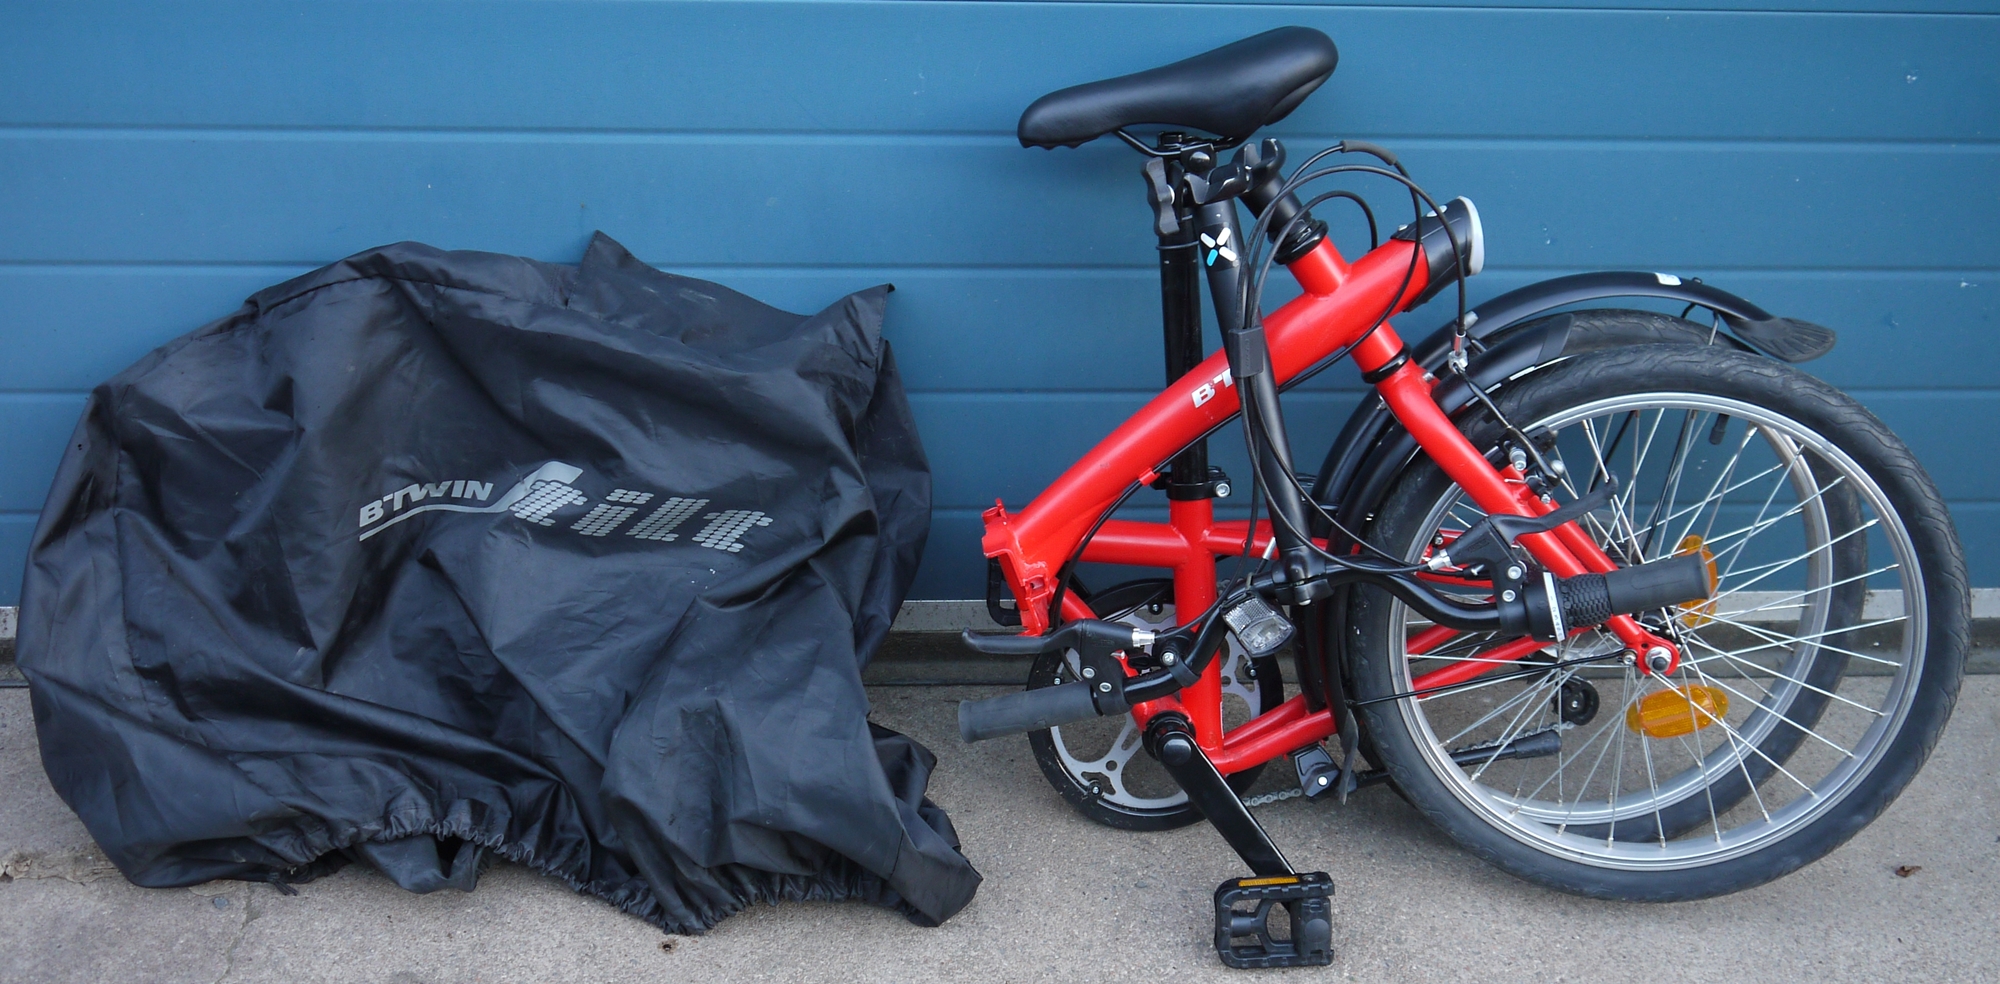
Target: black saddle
{"points": [[1228, 92]]}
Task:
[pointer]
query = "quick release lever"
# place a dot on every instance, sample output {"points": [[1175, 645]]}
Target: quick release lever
{"points": [[1160, 194]]}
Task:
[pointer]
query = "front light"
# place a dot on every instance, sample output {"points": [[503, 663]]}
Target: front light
{"points": [[1260, 630], [1434, 233], [1476, 233]]}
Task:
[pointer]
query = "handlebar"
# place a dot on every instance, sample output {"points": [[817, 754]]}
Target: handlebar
{"points": [[1560, 604], [1104, 689], [1030, 710], [1073, 635], [1658, 584], [1546, 611]]}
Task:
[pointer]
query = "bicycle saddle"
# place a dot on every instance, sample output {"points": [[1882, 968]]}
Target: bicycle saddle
{"points": [[1229, 92]]}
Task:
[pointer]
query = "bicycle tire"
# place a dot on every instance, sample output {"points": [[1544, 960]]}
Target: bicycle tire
{"points": [[1833, 442]]}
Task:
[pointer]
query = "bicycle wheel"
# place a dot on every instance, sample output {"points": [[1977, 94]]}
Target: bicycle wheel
{"points": [[1098, 765], [1825, 666]]}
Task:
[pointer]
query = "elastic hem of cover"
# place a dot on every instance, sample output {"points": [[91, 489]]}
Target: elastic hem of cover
{"points": [[858, 884]]}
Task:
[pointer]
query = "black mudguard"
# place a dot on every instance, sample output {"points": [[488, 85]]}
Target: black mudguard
{"points": [[1785, 339], [1514, 333]]}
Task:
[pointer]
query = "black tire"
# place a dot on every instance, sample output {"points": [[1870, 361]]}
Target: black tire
{"points": [[1128, 805], [1855, 468], [1597, 329]]}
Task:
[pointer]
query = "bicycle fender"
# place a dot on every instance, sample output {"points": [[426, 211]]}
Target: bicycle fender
{"points": [[1785, 339], [1751, 328]]}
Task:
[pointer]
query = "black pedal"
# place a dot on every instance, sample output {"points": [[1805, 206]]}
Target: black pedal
{"points": [[1243, 932]]}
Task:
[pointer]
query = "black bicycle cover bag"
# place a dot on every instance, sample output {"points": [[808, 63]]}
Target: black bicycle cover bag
{"points": [[427, 556]]}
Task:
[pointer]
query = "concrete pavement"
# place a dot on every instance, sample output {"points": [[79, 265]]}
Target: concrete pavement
{"points": [[1064, 900]]}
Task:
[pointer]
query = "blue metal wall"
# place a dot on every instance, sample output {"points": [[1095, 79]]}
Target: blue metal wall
{"points": [[160, 162]]}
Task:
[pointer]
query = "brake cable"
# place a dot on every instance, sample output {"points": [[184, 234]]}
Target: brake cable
{"points": [[1251, 289], [1068, 569]]}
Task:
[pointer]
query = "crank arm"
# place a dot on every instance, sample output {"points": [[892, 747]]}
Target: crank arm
{"points": [[1534, 744], [1170, 740]]}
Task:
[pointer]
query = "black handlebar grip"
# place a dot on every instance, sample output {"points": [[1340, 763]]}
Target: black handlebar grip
{"points": [[1030, 710], [1658, 584]]}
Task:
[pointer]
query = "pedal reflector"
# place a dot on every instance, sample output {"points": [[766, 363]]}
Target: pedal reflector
{"points": [[1303, 937]]}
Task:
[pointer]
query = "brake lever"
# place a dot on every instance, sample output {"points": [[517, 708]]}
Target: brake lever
{"points": [[1489, 543], [1514, 527], [1096, 642], [1072, 635]]}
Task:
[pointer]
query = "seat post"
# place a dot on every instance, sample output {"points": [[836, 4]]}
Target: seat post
{"points": [[1180, 312]]}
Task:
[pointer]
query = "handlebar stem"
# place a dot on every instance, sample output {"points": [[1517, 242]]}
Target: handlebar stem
{"points": [[1219, 239]]}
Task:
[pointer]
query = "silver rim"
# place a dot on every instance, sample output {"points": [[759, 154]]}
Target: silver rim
{"points": [[1104, 755], [1815, 689]]}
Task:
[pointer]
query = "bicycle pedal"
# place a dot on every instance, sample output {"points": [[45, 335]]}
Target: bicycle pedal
{"points": [[1244, 936]]}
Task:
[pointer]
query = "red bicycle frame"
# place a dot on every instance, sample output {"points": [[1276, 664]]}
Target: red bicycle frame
{"points": [[1339, 303]]}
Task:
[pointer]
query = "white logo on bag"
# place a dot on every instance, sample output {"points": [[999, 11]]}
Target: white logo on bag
{"points": [[547, 490]]}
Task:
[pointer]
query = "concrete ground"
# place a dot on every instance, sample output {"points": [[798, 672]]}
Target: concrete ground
{"points": [[1063, 899]]}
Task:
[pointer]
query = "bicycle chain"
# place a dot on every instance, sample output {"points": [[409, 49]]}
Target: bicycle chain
{"points": [[1269, 798]]}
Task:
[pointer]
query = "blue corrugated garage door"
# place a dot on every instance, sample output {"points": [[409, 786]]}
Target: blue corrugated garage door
{"points": [[1833, 161]]}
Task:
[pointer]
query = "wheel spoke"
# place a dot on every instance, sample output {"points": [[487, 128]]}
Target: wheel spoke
{"points": [[1618, 767], [1513, 730], [1746, 532], [1742, 765], [1611, 733], [1780, 639], [1502, 708], [1761, 571], [1736, 661], [1774, 712], [1469, 659], [1670, 487], [1707, 789], [1731, 730], [1783, 602], [1619, 510], [1716, 494], [1720, 490], [1653, 784]]}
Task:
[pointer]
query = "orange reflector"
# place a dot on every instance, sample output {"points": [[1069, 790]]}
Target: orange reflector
{"points": [[1697, 613], [1263, 882], [1674, 713]]}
